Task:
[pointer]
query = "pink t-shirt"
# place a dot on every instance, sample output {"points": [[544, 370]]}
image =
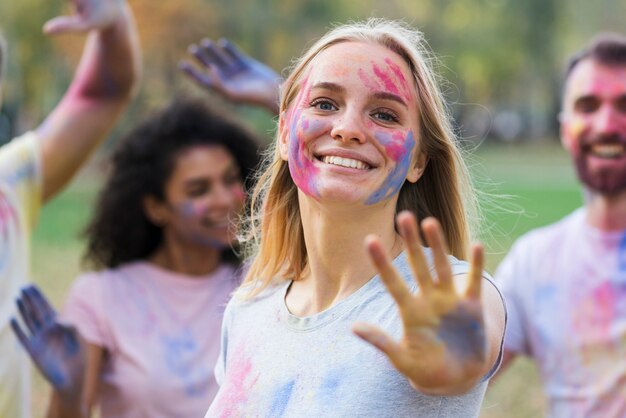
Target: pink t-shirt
{"points": [[161, 334]]}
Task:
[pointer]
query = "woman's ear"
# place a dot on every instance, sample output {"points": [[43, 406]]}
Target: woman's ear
{"points": [[418, 167], [156, 210], [283, 136]]}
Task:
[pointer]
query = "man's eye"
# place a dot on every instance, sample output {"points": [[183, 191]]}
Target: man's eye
{"points": [[587, 105]]}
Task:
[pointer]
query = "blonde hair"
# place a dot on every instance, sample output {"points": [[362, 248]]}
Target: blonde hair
{"points": [[274, 237]]}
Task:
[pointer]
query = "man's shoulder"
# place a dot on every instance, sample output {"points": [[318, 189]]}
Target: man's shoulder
{"points": [[545, 235]]}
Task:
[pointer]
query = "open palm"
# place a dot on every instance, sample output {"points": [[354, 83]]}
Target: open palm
{"points": [[238, 77], [55, 348], [444, 340]]}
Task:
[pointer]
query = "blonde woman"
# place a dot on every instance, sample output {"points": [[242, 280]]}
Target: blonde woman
{"points": [[363, 140]]}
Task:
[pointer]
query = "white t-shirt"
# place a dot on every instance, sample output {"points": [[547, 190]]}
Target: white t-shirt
{"points": [[20, 200], [565, 288], [161, 334], [275, 364]]}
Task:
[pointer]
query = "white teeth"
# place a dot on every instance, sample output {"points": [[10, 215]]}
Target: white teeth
{"points": [[607, 150], [345, 162]]}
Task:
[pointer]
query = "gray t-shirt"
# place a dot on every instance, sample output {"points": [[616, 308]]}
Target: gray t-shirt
{"points": [[275, 364]]}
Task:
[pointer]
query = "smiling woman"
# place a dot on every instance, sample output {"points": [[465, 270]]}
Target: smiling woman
{"points": [[162, 234], [363, 138]]}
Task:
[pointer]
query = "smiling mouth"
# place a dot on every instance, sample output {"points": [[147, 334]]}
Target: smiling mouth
{"points": [[345, 162], [607, 150]]}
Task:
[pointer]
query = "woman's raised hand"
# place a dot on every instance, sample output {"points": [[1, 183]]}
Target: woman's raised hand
{"points": [[443, 349], [233, 74], [56, 349]]}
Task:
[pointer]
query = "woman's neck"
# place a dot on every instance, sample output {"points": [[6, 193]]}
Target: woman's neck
{"points": [[191, 260], [337, 259]]}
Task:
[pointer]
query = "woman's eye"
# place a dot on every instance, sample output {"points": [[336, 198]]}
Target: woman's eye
{"points": [[385, 116], [323, 105]]}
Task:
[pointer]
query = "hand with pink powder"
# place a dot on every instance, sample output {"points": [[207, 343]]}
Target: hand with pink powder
{"points": [[443, 350], [233, 74]]}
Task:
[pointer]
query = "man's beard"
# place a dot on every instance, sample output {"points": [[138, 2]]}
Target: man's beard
{"points": [[607, 182]]}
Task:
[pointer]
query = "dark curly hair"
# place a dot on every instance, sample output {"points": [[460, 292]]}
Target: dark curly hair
{"points": [[142, 162]]}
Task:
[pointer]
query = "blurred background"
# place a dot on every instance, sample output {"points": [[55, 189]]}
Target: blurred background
{"points": [[501, 63]]}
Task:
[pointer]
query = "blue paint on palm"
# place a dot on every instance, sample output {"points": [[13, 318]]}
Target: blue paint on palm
{"points": [[396, 178], [463, 334], [281, 399]]}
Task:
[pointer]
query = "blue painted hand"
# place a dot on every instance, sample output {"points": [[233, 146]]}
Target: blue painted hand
{"points": [[444, 342], [56, 349]]}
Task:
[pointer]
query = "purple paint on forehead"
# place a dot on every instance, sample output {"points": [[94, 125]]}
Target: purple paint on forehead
{"points": [[395, 179]]}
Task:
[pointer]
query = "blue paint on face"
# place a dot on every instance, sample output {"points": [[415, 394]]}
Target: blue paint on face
{"points": [[281, 399], [396, 178]]}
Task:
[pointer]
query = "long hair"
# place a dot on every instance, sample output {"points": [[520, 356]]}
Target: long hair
{"points": [[275, 238], [143, 161]]}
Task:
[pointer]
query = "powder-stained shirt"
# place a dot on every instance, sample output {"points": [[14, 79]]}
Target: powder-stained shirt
{"points": [[565, 288], [161, 334], [20, 200], [276, 364]]}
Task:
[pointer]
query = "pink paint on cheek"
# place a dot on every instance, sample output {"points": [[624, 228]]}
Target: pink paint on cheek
{"points": [[302, 170], [394, 144], [191, 209]]}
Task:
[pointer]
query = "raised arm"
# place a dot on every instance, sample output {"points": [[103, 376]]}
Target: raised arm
{"points": [[104, 83], [231, 73], [453, 327]]}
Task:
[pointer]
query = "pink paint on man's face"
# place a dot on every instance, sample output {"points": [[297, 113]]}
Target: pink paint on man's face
{"points": [[594, 125]]}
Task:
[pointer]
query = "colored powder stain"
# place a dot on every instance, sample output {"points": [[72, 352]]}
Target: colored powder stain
{"points": [[576, 127], [329, 387], [395, 68], [237, 387], [396, 178], [302, 170], [369, 83], [281, 399], [179, 356], [463, 335], [394, 144], [385, 79]]}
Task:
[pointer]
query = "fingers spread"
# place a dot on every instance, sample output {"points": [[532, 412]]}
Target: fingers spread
{"points": [[476, 272], [393, 282], [28, 316], [437, 243], [407, 225]]}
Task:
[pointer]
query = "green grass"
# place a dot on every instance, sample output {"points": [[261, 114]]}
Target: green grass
{"points": [[538, 181]]}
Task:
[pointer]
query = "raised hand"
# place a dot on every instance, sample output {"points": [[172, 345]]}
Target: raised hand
{"points": [[234, 75], [56, 349], [443, 349], [88, 15]]}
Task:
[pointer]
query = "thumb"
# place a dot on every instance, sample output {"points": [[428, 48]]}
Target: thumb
{"points": [[378, 338], [64, 24]]}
